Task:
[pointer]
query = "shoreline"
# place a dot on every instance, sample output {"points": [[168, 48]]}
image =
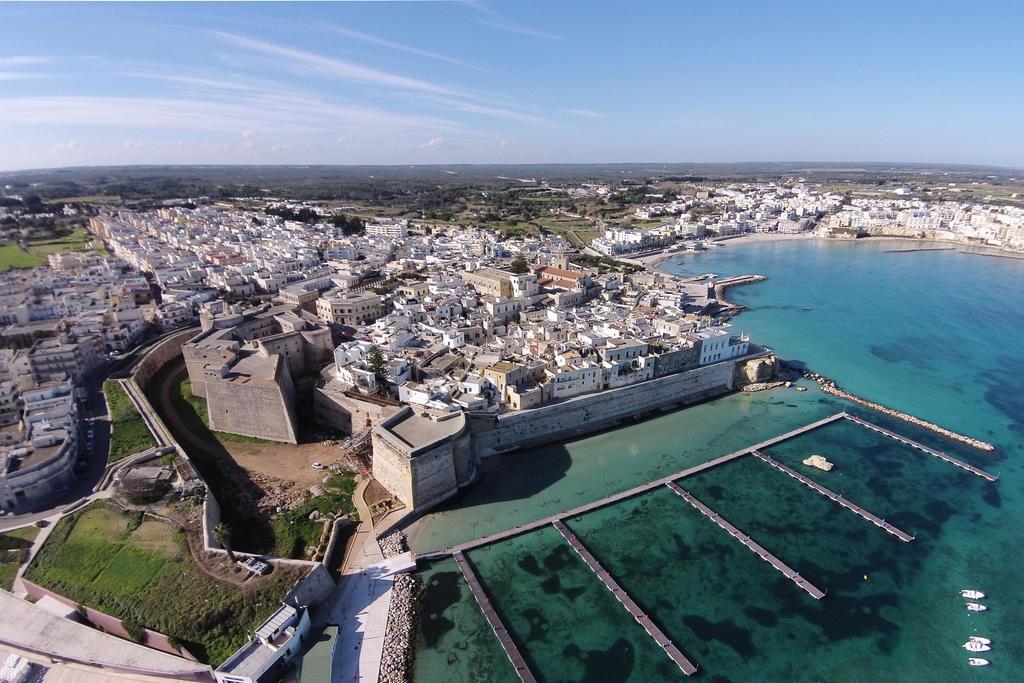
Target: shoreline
{"points": [[656, 260], [827, 384]]}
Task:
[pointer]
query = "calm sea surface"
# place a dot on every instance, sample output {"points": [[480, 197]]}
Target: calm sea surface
{"points": [[934, 333]]}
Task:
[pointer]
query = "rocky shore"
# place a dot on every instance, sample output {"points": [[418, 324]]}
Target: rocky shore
{"points": [[830, 387], [393, 544], [400, 632]]}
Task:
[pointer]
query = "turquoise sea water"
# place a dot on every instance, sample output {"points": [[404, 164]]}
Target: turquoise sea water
{"points": [[934, 333]]}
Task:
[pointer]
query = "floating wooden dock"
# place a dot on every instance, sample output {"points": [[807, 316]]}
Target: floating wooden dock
{"points": [[786, 570], [509, 645], [835, 497], [623, 495], [622, 596], [921, 447]]}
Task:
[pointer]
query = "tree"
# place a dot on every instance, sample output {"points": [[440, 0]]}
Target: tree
{"points": [[378, 366], [222, 534], [519, 265]]}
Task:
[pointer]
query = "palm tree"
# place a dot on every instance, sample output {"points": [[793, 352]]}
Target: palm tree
{"points": [[222, 534]]}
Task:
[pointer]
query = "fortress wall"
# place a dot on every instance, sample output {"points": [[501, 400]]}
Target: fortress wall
{"points": [[264, 410], [159, 356], [346, 414], [587, 414]]}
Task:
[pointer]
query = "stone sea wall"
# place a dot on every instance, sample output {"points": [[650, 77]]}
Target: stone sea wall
{"points": [[594, 412]]}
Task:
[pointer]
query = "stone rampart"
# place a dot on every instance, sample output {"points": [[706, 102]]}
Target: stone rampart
{"points": [[161, 354], [587, 414], [348, 414], [264, 409]]}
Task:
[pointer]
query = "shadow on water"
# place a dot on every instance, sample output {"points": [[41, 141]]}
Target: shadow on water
{"points": [[513, 476]]}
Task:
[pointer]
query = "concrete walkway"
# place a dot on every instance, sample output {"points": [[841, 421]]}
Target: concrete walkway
{"points": [[360, 603]]}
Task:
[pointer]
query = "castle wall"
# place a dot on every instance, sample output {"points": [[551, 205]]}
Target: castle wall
{"points": [[583, 415], [346, 414], [161, 354], [261, 409]]}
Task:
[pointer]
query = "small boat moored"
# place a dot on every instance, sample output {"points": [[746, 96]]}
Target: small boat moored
{"points": [[976, 607], [977, 661], [980, 639], [972, 594], [975, 646]]}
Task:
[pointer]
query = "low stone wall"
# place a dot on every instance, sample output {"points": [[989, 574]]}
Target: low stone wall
{"points": [[106, 622], [591, 413]]}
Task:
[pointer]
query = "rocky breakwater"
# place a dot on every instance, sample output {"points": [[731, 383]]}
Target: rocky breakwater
{"points": [[393, 544], [722, 285], [400, 633], [830, 387]]}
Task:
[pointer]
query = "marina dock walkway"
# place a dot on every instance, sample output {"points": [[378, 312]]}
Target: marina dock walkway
{"points": [[921, 447], [786, 570], [522, 670], [622, 596], [832, 495], [623, 495]]}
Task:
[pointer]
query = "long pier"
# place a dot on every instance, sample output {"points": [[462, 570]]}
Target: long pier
{"points": [[786, 570], [624, 495], [835, 497], [622, 596], [522, 669], [921, 447]]}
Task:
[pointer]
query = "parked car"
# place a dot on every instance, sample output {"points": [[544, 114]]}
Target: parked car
{"points": [[318, 466]]}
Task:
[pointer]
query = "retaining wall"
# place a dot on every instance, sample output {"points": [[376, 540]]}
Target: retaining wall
{"points": [[109, 623]]}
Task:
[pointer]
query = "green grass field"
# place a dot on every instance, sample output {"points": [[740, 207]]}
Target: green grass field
{"points": [[13, 256], [128, 433], [14, 547], [79, 240], [147, 575]]}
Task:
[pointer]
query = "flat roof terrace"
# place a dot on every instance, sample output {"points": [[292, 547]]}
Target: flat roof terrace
{"points": [[417, 431]]}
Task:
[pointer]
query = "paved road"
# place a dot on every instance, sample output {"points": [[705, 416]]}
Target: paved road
{"points": [[93, 414]]}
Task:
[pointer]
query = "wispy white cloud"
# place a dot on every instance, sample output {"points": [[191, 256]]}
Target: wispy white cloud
{"points": [[585, 113], [336, 67], [269, 113], [20, 76], [442, 95], [433, 144], [394, 45], [496, 21], [23, 60]]}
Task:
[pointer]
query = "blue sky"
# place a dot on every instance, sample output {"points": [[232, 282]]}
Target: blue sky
{"points": [[511, 82]]}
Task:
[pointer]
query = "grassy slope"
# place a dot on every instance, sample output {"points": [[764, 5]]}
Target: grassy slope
{"points": [[14, 547], [294, 532], [129, 434], [79, 240], [147, 574]]}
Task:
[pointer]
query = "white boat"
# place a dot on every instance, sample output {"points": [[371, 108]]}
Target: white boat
{"points": [[979, 639], [972, 594], [975, 646], [976, 607], [977, 661]]}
